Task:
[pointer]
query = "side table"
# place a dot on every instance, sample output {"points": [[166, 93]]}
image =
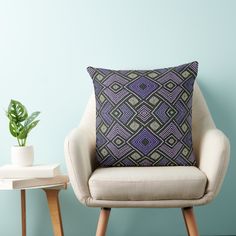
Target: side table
{"points": [[52, 194]]}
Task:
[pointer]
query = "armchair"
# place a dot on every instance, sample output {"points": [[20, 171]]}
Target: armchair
{"points": [[150, 187]]}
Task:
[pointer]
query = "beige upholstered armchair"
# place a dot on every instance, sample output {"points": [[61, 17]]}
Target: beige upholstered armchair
{"points": [[153, 187]]}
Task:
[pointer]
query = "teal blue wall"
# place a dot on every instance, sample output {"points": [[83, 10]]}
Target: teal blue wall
{"points": [[45, 47]]}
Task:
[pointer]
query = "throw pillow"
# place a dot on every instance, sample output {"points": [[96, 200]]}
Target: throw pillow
{"points": [[144, 117]]}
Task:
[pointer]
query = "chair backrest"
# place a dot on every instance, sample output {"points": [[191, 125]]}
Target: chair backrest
{"points": [[201, 118]]}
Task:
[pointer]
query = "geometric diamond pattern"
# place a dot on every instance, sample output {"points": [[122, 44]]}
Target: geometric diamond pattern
{"points": [[143, 87], [144, 113], [145, 141], [144, 117]]}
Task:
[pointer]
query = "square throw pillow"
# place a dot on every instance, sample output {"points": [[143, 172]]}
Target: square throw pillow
{"points": [[144, 117]]}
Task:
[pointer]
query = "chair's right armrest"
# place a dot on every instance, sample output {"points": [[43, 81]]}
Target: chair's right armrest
{"points": [[214, 153], [79, 148]]}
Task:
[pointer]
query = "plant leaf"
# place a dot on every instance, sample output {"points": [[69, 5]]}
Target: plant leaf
{"points": [[16, 111], [26, 129], [23, 134], [15, 128], [31, 125], [31, 118]]}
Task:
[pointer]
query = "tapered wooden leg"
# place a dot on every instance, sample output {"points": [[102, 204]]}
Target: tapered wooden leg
{"points": [[54, 208], [190, 222], [23, 212], [102, 221]]}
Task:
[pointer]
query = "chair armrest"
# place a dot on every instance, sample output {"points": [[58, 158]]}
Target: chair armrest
{"points": [[214, 152], [79, 148]]}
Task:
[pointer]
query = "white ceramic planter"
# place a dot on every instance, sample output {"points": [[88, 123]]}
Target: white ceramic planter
{"points": [[22, 156]]}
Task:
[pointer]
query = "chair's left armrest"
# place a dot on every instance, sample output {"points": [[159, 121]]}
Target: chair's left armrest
{"points": [[79, 148], [214, 153]]}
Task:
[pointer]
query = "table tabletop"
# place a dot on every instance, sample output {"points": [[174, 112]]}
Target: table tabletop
{"points": [[57, 182]]}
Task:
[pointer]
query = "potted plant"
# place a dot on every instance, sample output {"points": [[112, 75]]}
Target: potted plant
{"points": [[20, 124]]}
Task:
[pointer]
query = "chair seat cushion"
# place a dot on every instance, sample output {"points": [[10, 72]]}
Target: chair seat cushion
{"points": [[147, 183]]}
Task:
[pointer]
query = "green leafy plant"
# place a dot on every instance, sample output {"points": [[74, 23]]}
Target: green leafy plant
{"points": [[20, 123]]}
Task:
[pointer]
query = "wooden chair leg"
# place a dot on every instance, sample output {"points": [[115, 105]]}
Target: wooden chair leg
{"points": [[54, 208], [23, 212], [190, 222], [102, 221]]}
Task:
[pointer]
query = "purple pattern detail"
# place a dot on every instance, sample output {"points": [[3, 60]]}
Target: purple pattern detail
{"points": [[100, 140], [98, 121], [144, 113], [161, 112], [98, 88], [114, 78], [115, 97], [118, 130], [188, 139], [170, 129], [169, 76], [188, 85], [127, 113], [167, 94], [171, 152], [145, 162], [143, 87], [105, 113], [182, 111], [145, 141], [119, 152]]}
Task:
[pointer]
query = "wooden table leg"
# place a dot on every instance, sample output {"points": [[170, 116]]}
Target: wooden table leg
{"points": [[54, 208], [23, 212]]}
